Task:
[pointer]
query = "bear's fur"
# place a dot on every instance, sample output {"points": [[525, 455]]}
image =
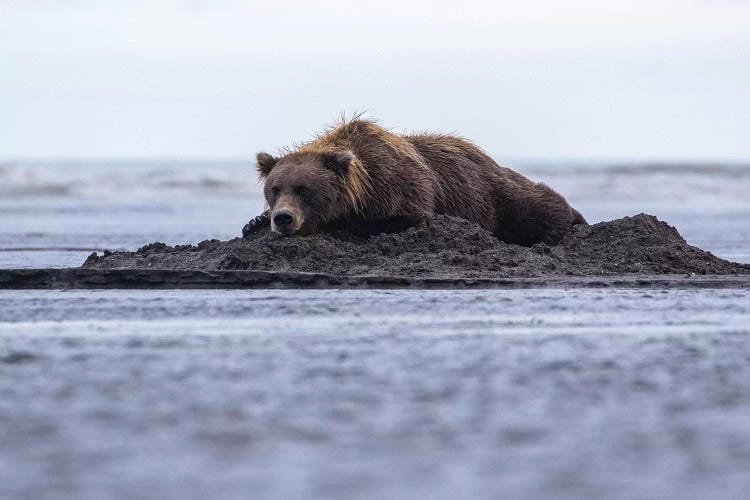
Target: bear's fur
{"points": [[360, 173]]}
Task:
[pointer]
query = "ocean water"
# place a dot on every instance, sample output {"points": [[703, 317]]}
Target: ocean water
{"points": [[363, 393], [53, 214]]}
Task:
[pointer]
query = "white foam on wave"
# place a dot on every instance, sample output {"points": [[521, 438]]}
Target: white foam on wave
{"points": [[656, 184], [127, 179], [611, 183]]}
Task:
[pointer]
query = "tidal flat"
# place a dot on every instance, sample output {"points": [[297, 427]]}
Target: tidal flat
{"points": [[532, 393]]}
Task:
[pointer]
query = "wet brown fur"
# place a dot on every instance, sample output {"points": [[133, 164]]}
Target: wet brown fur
{"points": [[386, 175]]}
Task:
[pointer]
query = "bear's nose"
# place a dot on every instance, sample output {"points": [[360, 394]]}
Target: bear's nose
{"points": [[283, 219]]}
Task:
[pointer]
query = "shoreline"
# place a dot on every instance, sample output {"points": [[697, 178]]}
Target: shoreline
{"points": [[164, 279]]}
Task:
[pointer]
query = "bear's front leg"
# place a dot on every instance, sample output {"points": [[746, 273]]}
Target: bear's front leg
{"points": [[256, 224]]}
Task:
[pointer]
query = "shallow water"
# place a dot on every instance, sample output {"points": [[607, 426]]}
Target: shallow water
{"points": [[400, 394], [368, 394]]}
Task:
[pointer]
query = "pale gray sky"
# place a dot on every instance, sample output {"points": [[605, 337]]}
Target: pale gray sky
{"points": [[580, 79]]}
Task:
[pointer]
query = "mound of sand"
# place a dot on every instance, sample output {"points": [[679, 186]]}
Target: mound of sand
{"points": [[443, 247]]}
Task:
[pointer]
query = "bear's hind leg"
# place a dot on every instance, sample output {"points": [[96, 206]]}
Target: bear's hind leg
{"points": [[578, 218]]}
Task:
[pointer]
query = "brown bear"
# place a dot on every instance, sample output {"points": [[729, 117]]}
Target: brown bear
{"points": [[358, 173]]}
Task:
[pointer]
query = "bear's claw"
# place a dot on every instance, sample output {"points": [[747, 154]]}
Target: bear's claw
{"points": [[256, 224]]}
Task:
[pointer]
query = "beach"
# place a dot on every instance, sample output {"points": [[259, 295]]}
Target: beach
{"points": [[534, 393]]}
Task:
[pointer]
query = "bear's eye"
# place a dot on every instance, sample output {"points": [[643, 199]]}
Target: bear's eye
{"points": [[300, 190], [275, 190]]}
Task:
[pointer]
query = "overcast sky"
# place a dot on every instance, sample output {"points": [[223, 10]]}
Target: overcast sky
{"points": [[580, 79]]}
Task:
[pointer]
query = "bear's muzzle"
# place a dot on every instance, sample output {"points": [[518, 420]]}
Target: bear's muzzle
{"points": [[286, 220]]}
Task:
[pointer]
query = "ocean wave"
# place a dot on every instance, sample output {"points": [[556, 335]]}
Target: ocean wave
{"points": [[702, 183], [127, 179]]}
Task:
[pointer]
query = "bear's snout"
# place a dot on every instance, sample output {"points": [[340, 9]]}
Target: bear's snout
{"points": [[285, 221], [282, 218]]}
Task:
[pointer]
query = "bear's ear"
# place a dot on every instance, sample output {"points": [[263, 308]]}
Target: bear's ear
{"points": [[265, 163], [338, 161]]}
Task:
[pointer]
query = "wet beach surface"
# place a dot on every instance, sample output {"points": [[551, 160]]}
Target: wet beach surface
{"points": [[363, 393], [372, 394]]}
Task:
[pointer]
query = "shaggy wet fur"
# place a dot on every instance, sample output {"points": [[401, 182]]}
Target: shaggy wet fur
{"points": [[358, 172]]}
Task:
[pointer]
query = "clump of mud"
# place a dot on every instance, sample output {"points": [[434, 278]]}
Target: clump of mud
{"points": [[444, 247]]}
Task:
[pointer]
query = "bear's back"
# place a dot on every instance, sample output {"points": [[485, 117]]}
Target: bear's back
{"points": [[424, 174], [475, 187], [467, 176]]}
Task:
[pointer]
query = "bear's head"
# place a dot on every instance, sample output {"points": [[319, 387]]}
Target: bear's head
{"points": [[307, 189]]}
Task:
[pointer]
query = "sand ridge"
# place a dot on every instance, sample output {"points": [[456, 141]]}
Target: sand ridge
{"points": [[441, 247]]}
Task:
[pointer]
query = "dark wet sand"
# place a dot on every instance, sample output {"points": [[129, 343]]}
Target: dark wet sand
{"points": [[441, 248], [84, 278], [443, 252]]}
